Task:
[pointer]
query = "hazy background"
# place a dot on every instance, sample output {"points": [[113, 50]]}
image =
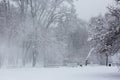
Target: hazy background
{"points": [[48, 32], [88, 8]]}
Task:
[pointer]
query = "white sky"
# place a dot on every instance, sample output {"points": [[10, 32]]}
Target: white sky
{"points": [[89, 8]]}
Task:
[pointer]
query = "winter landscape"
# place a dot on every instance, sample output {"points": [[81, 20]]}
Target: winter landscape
{"points": [[59, 39]]}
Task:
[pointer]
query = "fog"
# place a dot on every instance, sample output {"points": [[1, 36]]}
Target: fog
{"points": [[53, 32]]}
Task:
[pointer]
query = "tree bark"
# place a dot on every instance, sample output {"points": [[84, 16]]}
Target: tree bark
{"points": [[34, 59], [106, 59], [86, 62]]}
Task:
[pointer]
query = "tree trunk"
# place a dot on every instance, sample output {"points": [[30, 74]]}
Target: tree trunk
{"points": [[86, 62], [106, 59], [34, 59]]}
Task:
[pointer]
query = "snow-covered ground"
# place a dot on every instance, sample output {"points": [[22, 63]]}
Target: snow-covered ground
{"points": [[63, 73]]}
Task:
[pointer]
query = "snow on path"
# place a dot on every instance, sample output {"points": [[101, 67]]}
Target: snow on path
{"points": [[64, 73]]}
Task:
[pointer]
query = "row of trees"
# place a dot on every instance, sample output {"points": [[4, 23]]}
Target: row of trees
{"points": [[36, 32]]}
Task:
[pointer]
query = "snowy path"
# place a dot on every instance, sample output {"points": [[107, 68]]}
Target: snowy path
{"points": [[81, 73]]}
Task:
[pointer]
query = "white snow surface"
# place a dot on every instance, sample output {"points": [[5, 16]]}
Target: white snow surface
{"points": [[62, 73]]}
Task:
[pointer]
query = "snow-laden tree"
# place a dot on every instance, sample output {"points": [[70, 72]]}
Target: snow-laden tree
{"points": [[41, 14], [105, 32], [40, 32], [9, 20], [46, 14], [72, 33], [98, 30]]}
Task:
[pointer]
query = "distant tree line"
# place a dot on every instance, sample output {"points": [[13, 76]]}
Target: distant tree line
{"points": [[41, 32]]}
